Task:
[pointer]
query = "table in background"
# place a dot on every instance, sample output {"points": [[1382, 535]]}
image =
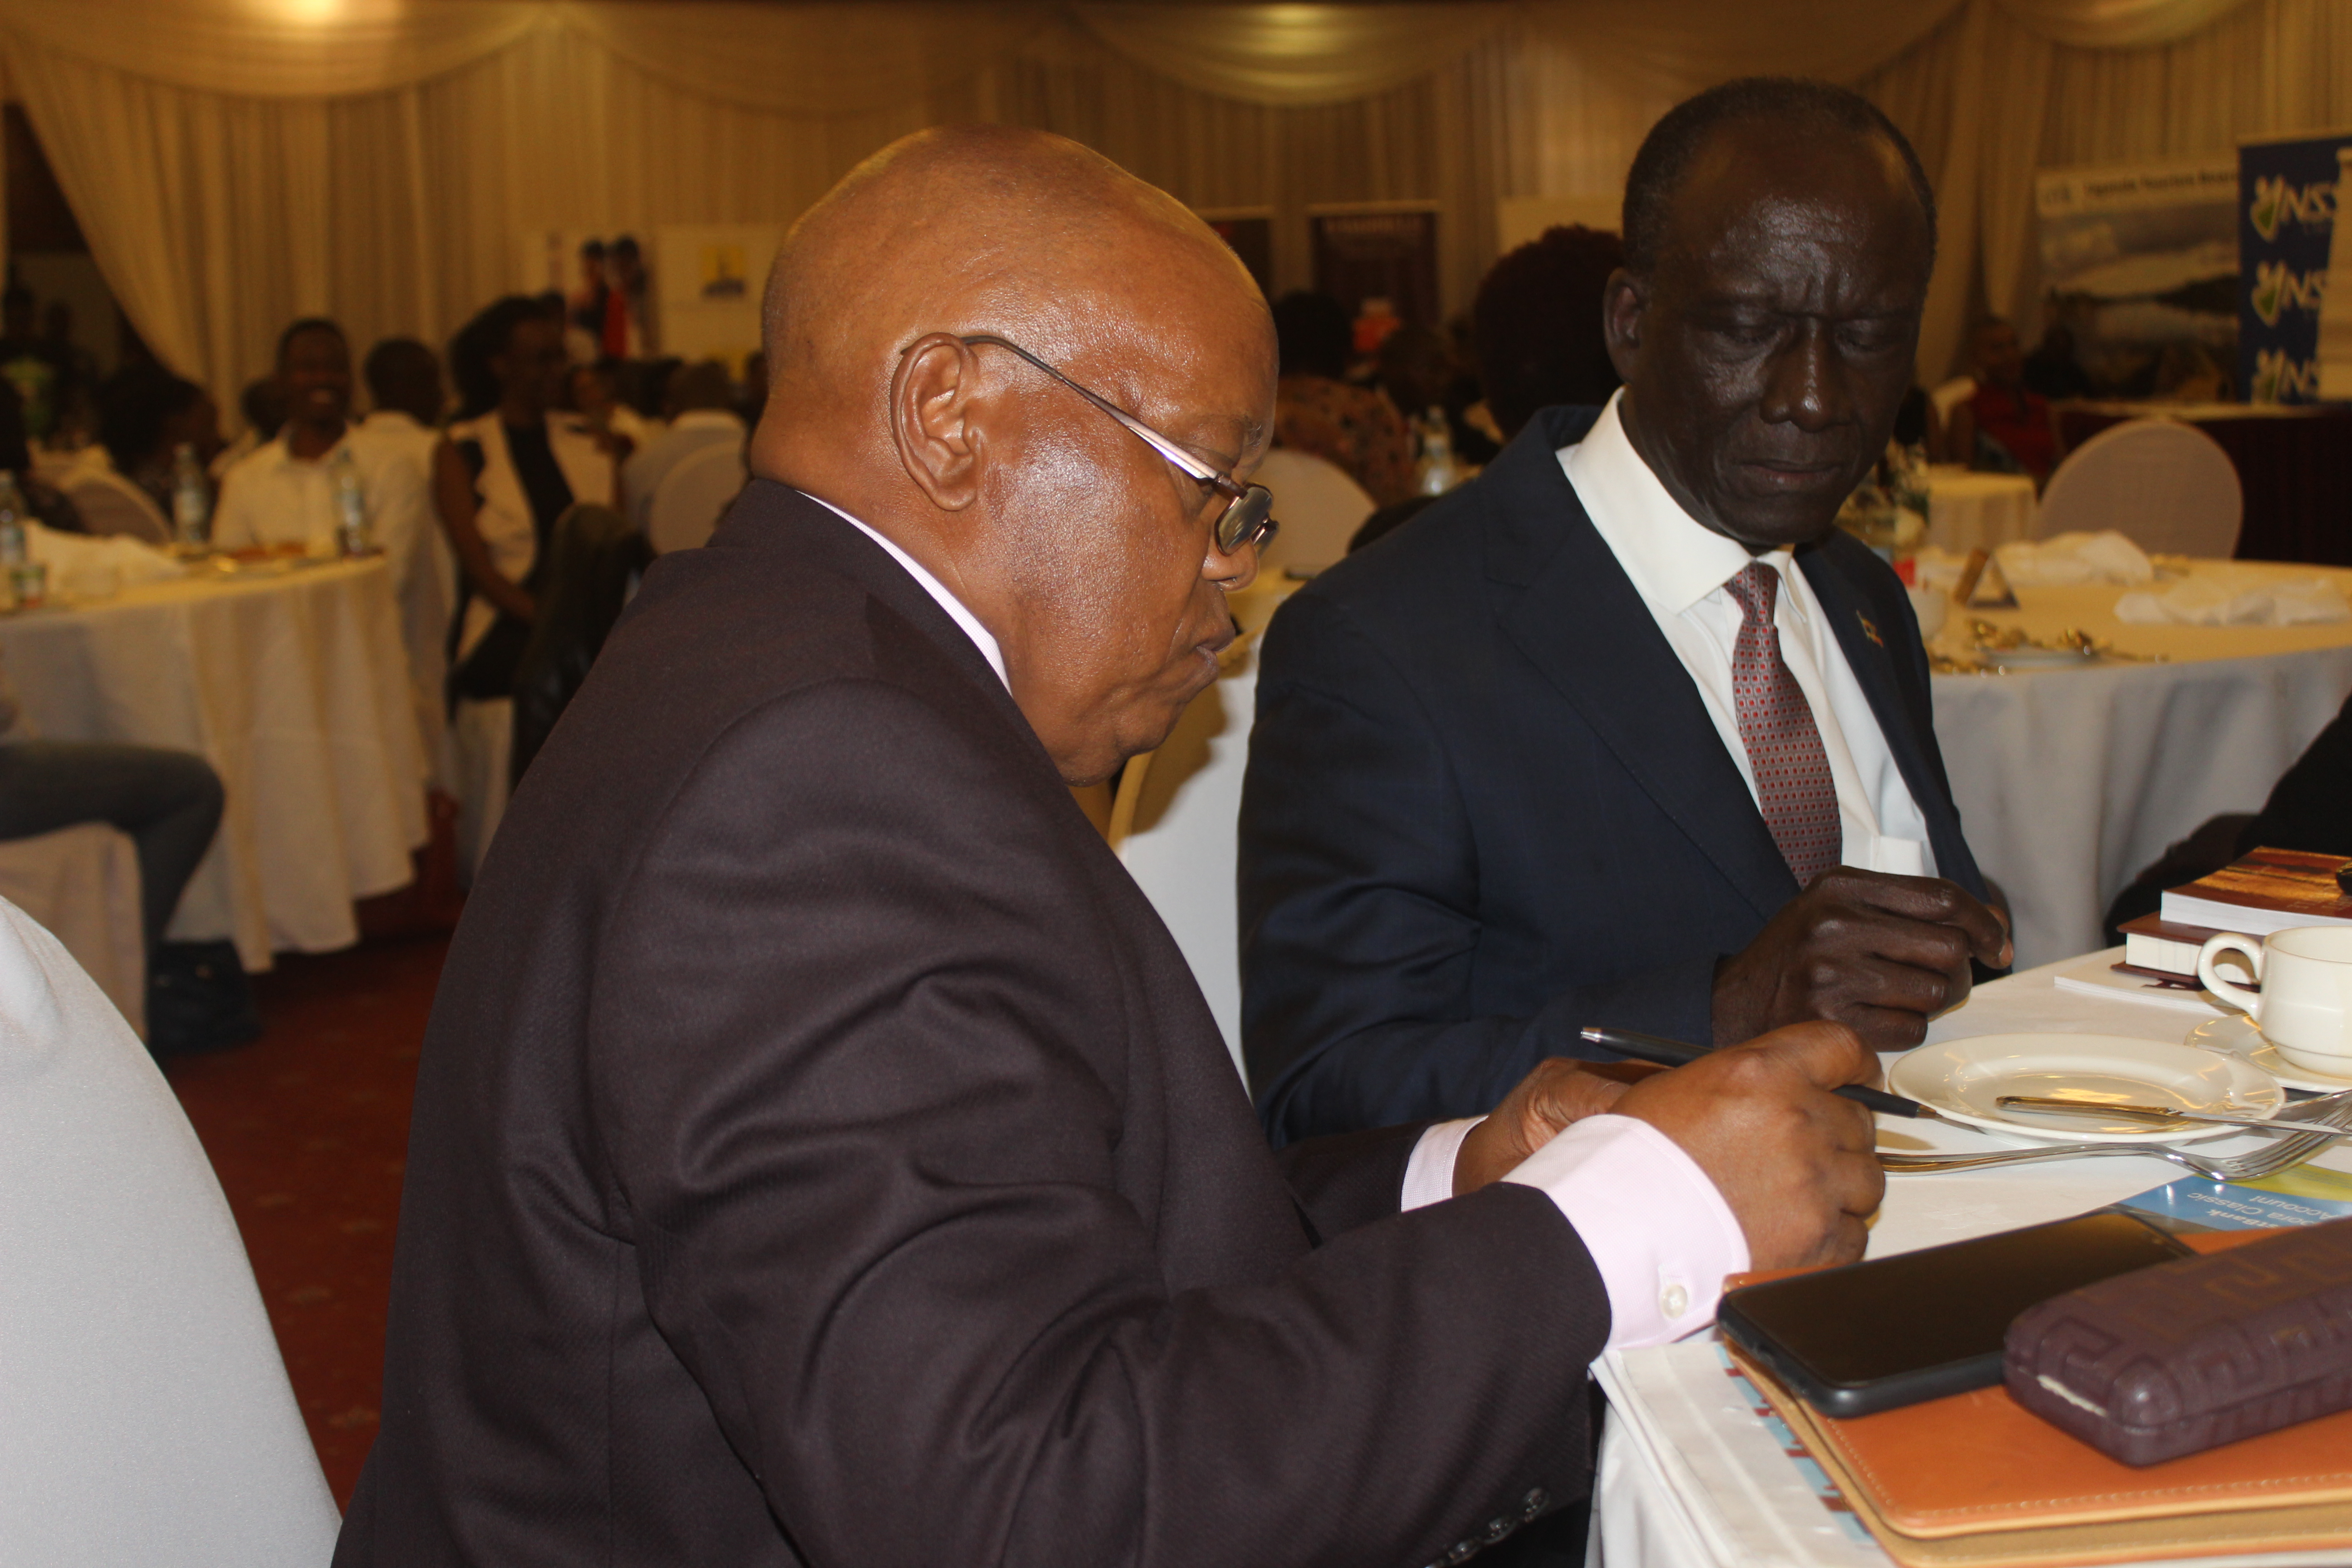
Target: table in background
{"points": [[1970, 511], [2070, 781], [291, 681], [1678, 1479], [2295, 461]]}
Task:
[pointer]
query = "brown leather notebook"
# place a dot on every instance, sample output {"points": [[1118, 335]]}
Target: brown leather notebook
{"points": [[1978, 1479]]}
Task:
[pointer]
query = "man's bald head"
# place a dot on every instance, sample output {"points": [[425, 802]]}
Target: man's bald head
{"points": [[985, 228], [1088, 555]]}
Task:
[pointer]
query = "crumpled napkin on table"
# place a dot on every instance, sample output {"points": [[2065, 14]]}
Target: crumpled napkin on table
{"points": [[2222, 597], [2064, 558], [94, 567]]}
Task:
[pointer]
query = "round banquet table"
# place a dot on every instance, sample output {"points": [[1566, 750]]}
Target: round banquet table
{"points": [[1691, 1477], [1977, 511], [2072, 781], [291, 679]]}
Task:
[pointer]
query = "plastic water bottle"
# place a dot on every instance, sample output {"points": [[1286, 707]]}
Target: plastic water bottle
{"points": [[350, 506], [11, 522], [1435, 468], [192, 502]]}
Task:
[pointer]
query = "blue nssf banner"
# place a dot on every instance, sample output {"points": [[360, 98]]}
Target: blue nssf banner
{"points": [[2286, 217]]}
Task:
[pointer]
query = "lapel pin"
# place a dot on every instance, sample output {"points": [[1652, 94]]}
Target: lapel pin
{"points": [[1867, 629]]}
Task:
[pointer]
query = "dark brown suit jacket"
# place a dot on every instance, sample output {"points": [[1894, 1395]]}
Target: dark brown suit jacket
{"points": [[821, 1154]]}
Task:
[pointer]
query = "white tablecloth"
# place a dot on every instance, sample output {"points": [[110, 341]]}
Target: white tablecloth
{"points": [[1690, 1478], [292, 683], [1968, 511], [2071, 781]]}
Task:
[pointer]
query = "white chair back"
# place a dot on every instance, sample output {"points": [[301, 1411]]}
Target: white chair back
{"points": [[1950, 395], [147, 1416], [1318, 506], [693, 496], [2164, 486], [109, 503], [1176, 827]]}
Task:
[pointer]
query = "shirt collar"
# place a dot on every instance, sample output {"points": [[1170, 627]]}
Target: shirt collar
{"points": [[934, 588], [281, 455], [1674, 559]]}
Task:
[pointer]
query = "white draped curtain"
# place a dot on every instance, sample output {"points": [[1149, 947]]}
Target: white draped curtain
{"points": [[233, 163]]}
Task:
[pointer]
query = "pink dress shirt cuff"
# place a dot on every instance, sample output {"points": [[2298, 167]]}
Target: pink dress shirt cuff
{"points": [[1660, 1235], [1429, 1174]]}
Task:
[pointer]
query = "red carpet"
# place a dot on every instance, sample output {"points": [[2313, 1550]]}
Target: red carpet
{"points": [[308, 1127]]}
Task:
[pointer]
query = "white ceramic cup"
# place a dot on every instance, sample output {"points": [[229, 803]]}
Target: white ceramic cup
{"points": [[2304, 1007]]}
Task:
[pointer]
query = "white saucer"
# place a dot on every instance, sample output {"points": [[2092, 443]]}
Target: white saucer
{"points": [[1963, 1078], [2237, 1034]]}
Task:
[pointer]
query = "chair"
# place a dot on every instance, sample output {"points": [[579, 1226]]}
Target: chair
{"points": [[2166, 486], [81, 884], [1318, 506], [594, 556], [109, 503], [693, 496], [1176, 827], [1949, 396], [148, 1416]]}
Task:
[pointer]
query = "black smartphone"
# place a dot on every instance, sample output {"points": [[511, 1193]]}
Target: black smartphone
{"points": [[1894, 1331]]}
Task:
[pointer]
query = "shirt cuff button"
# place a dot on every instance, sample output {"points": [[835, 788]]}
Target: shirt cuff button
{"points": [[1673, 1300]]}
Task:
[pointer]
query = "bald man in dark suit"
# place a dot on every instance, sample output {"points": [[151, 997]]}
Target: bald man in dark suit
{"points": [[821, 1152]]}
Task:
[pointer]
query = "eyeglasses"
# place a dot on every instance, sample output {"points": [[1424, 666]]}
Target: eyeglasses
{"points": [[1247, 518]]}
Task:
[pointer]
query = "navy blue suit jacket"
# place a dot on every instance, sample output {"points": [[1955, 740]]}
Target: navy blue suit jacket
{"points": [[1486, 805]]}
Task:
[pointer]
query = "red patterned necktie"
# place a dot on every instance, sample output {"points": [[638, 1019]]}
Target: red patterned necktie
{"points": [[1793, 787]]}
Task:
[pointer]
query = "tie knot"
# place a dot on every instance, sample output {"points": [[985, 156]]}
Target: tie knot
{"points": [[1756, 589]]}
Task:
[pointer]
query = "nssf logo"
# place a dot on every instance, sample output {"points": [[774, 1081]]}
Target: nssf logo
{"points": [[2278, 379], [2278, 203], [2279, 288]]}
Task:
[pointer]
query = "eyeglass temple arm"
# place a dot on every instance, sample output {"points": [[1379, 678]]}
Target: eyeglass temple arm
{"points": [[1145, 433]]}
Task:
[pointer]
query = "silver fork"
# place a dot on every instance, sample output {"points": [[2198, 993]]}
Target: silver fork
{"points": [[2335, 1111]]}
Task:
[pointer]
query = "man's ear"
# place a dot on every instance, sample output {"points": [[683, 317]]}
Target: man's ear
{"points": [[930, 420], [1623, 300]]}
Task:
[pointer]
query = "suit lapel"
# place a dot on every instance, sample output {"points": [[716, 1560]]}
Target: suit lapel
{"points": [[1576, 617]]}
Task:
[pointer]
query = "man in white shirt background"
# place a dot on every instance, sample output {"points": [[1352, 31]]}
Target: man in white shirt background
{"points": [[1625, 731], [283, 493]]}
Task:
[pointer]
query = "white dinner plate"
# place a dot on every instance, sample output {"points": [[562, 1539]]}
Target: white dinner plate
{"points": [[1964, 1079], [2030, 657], [2236, 1033]]}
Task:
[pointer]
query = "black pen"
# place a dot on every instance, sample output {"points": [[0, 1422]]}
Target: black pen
{"points": [[1677, 1053]]}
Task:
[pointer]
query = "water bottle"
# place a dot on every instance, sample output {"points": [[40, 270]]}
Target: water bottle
{"points": [[351, 506], [1436, 467], [192, 501], [11, 522]]}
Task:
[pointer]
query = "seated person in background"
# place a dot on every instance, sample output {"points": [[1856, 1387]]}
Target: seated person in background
{"points": [[1626, 732], [262, 404], [594, 395], [1536, 328], [511, 465], [2051, 371], [821, 1152], [145, 414], [403, 383], [2005, 425], [701, 415], [41, 375], [49, 506], [285, 493], [1317, 410], [169, 802]]}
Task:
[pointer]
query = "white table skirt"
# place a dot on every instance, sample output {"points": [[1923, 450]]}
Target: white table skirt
{"points": [[2071, 781], [292, 683], [1689, 1479], [1967, 510]]}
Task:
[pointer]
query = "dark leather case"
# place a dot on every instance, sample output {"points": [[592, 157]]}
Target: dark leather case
{"points": [[2186, 1356]]}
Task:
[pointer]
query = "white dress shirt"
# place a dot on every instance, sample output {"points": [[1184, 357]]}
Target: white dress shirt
{"points": [[272, 497], [1661, 1236], [1679, 567]]}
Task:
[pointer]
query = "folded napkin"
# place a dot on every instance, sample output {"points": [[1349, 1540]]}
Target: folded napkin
{"points": [[88, 567], [2221, 596], [2064, 558]]}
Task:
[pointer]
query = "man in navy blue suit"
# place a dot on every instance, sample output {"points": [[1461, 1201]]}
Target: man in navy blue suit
{"points": [[1626, 732]]}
